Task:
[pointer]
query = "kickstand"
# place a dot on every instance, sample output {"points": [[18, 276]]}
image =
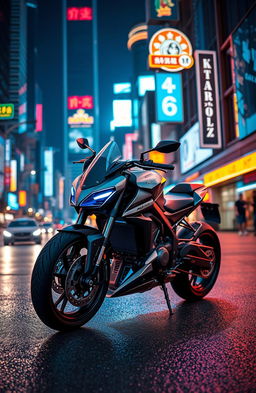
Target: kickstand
{"points": [[167, 297]]}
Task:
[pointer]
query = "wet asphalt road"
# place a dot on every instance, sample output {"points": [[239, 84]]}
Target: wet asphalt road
{"points": [[132, 345]]}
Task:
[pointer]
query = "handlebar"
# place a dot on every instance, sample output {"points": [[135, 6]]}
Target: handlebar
{"points": [[151, 164]]}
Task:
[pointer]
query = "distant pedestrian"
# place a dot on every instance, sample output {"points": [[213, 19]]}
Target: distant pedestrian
{"points": [[240, 207], [254, 210]]}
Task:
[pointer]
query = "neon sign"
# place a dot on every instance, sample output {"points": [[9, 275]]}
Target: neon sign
{"points": [[80, 118], [170, 50], [80, 102], [79, 13], [6, 111]]}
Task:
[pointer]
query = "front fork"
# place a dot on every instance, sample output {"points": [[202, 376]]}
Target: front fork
{"points": [[92, 266]]}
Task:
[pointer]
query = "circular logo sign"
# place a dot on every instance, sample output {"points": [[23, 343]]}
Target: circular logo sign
{"points": [[170, 50]]}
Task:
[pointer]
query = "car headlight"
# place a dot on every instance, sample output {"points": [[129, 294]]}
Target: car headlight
{"points": [[97, 199], [43, 230], [37, 232], [50, 230], [73, 196], [7, 234]]}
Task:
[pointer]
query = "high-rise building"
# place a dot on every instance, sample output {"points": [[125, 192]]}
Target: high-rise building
{"points": [[82, 81], [19, 143]]}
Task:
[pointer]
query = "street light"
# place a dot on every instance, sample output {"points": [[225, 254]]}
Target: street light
{"points": [[33, 172]]}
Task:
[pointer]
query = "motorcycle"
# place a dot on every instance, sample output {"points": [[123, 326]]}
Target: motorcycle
{"points": [[142, 239]]}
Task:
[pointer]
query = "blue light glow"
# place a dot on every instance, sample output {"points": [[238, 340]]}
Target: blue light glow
{"points": [[102, 196], [121, 88], [97, 199], [73, 195], [146, 83]]}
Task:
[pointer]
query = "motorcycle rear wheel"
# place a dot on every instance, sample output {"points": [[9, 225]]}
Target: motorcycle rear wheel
{"points": [[48, 291], [192, 287]]}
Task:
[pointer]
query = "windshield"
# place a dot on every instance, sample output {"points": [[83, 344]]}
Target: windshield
{"points": [[98, 168], [23, 223]]}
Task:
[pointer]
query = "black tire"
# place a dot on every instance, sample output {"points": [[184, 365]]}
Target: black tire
{"points": [[6, 243], [194, 288], [39, 241], [41, 285]]}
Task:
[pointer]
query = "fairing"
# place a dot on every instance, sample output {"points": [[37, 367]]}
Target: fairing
{"points": [[94, 177]]}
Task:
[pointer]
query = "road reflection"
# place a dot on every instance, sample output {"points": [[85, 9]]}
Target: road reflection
{"points": [[125, 349]]}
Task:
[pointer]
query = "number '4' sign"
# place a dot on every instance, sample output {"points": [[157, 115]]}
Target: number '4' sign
{"points": [[169, 100], [168, 85]]}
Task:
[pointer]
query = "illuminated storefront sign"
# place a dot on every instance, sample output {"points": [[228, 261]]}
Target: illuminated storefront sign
{"points": [[128, 146], [6, 111], [80, 102], [236, 168], [208, 99], [2, 143], [190, 152], [122, 112], [170, 50], [12, 201], [22, 198], [146, 83], [80, 118], [23, 105], [61, 193], [39, 118], [159, 11], [13, 181], [79, 13], [122, 88], [48, 173], [169, 100]]}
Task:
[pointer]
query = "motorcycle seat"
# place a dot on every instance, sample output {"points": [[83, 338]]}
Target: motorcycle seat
{"points": [[177, 201]]}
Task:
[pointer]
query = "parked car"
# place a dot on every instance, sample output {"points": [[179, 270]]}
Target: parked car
{"points": [[47, 227], [22, 230]]}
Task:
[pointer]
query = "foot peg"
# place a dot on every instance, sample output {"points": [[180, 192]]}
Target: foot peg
{"points": [[166, 295]]}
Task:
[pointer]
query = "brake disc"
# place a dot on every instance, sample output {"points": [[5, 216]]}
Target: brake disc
{"points": [[77, 294]]}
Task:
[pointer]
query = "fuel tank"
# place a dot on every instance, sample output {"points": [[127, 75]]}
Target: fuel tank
{"points": [[149, 185]]}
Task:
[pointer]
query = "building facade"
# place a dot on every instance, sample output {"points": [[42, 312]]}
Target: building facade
{"points": [[229, 168]]}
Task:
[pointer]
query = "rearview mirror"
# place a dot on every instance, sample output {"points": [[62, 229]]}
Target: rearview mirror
{"points": [[82, 143], [167, 146], [163, 147]]}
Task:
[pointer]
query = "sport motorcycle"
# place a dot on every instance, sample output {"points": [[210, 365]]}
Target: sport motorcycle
{"points": [[142, 239]]}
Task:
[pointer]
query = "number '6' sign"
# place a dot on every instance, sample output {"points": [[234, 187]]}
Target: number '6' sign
{"points": [[169, 100]]}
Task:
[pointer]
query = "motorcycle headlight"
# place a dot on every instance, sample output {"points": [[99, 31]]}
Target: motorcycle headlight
{"points": [[7, 234], [37, 232], [97, 199], [73, 196]]}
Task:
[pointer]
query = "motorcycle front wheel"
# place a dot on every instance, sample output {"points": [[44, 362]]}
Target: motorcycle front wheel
{"points": [[60, 298]]}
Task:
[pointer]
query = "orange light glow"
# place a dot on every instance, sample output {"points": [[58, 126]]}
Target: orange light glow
{"points": [[236, 168], [137, 37], [22, 198]]}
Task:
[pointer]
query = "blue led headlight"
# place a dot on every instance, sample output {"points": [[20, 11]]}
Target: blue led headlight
{"points": [[97, 199], [73, 196]]}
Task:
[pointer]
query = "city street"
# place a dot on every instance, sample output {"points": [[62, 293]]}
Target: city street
{"points": [[132, 345]]}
